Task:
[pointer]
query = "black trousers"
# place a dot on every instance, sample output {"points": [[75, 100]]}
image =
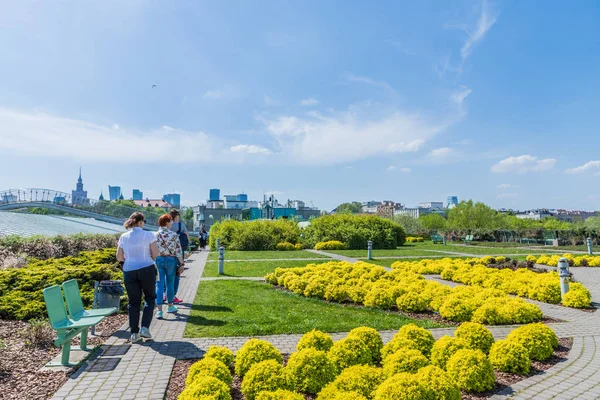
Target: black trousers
{"points": [[137, 282]]}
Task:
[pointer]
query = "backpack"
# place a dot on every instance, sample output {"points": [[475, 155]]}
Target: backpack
{"points": [[183, 239]]}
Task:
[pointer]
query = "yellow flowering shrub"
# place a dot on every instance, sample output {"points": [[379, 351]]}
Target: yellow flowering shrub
{"points": [[331, 245], [253, 352], [315, 340], [310, 370], [510, 356], [438, 384], [475, 336], [471, 370], [266, 375], [404, 361], [443, 349], [412, 302], [396, 344], [380, 295], [220, 353], [207, 387], [414, 239], [402, 386], [578, 296], [209, 367], [538, 339], [348, 352], [333, 394], [421, 336], [371, 339], [361, 379], [279, 394]]}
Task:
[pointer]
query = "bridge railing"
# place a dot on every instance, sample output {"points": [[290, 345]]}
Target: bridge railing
{"points": [[112, 209]]}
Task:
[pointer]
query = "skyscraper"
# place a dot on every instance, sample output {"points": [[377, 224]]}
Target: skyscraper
{"points": [[138, 194], [114, 192], [79, 196], [452, 202], [214, 195], [173, 199]]}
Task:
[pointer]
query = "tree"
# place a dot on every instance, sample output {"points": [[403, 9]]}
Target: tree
{"points": [[187, 214], [412, 226], [433, 222], [469, 217], [349, 208]]}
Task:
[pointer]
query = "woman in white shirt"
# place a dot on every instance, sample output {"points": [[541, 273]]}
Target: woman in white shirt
{"points": [[138, 249]]}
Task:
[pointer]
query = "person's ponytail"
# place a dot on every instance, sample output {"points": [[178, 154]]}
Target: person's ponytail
{"points": [[134, 220]]}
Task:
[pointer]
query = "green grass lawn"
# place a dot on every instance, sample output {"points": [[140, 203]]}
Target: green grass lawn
{"points": [[255, 268], [247, 308], [488, 251], [411, 251], [263, 255]]}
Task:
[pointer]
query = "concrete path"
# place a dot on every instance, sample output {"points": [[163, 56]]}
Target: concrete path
{"points": [[334, 256], [142, 371]]}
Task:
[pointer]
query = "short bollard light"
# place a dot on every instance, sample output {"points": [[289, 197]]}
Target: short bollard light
{"points": [[589, 245], [218, 244], [563, 273], [221, 260], [370, 250]]}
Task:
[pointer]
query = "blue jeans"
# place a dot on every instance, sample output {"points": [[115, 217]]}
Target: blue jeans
{"points": [[167, 267]]}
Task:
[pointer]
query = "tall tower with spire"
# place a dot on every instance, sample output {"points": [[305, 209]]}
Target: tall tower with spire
{"points": [[79, 196]]}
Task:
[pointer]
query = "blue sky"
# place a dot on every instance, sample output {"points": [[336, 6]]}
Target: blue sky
{"points": [[325, 101]]}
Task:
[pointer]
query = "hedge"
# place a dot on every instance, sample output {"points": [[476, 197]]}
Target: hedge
{"points": [[356, 231], [254, 235]]}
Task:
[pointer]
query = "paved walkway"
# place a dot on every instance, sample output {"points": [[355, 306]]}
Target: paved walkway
{"points": [[142, 371]]}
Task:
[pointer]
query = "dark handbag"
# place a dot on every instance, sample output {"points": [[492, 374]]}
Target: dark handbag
{"points": [[183, 239]]}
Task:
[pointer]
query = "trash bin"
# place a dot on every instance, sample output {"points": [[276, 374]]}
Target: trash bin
{"points": [[109, 294]]}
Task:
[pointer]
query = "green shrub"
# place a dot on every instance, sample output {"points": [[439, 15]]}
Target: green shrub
{"points": [[220, 353], [315, 340], [207, 386], [438, 384], [471, 370], [411, 302], [209, 367], [253, 352], [253, 235], [356, 231], [348, 352], [265, 376], [402, 386], [331, 245], [310, 370], [362, 379], [475, 336], [285, 246], [421, 336], [510, 356], [444, 348], [538, 339], [299, 246], [396, 344], [404, 361], [279, 394], [21, 295], [371, 339], [457, 309]]}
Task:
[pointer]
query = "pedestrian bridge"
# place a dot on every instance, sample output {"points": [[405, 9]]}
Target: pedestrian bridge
{"points": [[61, 202]]}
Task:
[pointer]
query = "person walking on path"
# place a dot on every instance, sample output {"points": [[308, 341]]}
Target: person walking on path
{"points": [[203, 237], [138, 249], [184, 239], [169, 262]]}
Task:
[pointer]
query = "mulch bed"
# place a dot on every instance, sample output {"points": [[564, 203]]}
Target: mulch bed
{"points": [[20, 363], [503, 379]]}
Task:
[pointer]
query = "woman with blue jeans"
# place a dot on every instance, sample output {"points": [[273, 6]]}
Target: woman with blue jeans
{"points": [[168, 262]]}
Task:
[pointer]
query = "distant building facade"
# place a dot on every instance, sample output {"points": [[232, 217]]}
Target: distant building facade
{"points": [[137, 195], [153, 203], [214, 195], [79, 196], [173, 198], [114, 192], [452, 202]]}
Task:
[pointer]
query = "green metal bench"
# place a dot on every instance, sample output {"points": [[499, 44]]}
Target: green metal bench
{"points": [[437, 239], [468, 239], [75, 304], [65, 327]]}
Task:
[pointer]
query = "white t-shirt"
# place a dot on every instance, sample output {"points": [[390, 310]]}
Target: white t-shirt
{"points": [[136, 246]]}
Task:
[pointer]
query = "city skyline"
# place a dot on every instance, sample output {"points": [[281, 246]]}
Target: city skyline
{"points": [[493, 101]]}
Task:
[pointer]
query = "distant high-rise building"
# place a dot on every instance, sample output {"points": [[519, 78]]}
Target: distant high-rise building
{"points": [[101, 198], [79, 196], [214, 195], [138, 194], [452, 202], [114, 192], [173, 198]]}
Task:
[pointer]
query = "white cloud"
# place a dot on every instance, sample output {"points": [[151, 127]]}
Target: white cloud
{"points": [[405, 170], [442, 152], [167, 128], [460, 95], [115, 126], [507, 195], [226, 92], [335, 138], [523, 164], [505, 186], [363, 79], [391, 168], [591, 165], [250, 149], [484, 23], [45, 135], [269, 101], [309, 102]]}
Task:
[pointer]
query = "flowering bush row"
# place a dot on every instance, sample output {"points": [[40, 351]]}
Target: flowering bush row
{"points": [[287, 246], [414, 239], [331, 245], [522, 282], [413, 365], [404, 289], [574, 261]]}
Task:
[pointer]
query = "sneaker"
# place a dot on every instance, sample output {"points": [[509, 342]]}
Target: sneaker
{"points": [[145, 333], [135, 337], [172, 309], [177, 300], [159, 315]]}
